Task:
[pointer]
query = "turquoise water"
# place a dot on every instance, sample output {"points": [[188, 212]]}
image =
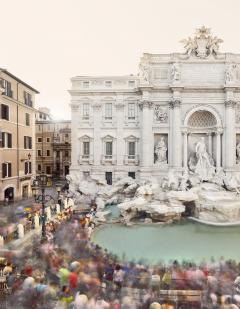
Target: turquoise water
{"points": [[185, 241]]}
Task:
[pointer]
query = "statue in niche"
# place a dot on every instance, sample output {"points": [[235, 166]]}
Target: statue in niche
{"points": [[230, 75], [176, 75], [238, 152], [161, 151], [204, 166], [144, 71]]}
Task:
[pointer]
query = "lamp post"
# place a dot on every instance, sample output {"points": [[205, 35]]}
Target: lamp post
{"points": [[40, 183]]}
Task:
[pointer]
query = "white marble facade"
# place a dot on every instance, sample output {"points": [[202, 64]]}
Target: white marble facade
{"points": [[147, 124]]}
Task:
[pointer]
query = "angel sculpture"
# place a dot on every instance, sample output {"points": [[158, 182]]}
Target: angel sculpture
{"points": [[189, 45]]}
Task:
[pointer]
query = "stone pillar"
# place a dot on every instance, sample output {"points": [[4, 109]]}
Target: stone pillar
{"points": [[218, 149], [75, 151], [175, 106], [185, 150], [230, 134], [1, 241], [20, 230], [146, 145], [210, 143], [48, 212], [58, 208], [97, 146], [120, 123], [36, 221]]}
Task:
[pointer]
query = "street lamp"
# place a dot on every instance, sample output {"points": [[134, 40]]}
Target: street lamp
{"points": [[40, 183]]}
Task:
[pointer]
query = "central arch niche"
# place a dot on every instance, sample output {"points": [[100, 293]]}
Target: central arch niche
{"points": [[200, 123]]}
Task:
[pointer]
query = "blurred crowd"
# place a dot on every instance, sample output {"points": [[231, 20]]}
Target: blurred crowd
{"points": [[70, 271]]}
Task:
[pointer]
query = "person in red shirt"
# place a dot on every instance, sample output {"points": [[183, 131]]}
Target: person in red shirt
{"points": [[73, 280]]}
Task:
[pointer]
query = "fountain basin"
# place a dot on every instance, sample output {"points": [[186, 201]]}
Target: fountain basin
{"points": [[183, 241]]}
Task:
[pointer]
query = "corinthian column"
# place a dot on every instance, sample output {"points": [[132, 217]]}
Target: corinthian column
{"points": [[96, 133], [230, 134], [146, 158], [175, 106]]}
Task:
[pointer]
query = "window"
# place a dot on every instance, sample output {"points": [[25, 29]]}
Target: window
{"points": [[131, 150], [48, 169], [58, 167], [28, 99], [109, 149], [66, 135], [39, 127], [48, 153], [27, 142], [131, 110], [28, 167], [6, 169], [39, 167], [86, 149], [27, 119], [48, 139], [39, 152], [108, 84], [6, 140], [85, 110], [5, 112], [7, 88], [58, 154], [131, 83], [86, 84], [108, 110], [131, 174], [40, 115], [66, 154], [39, 139]]}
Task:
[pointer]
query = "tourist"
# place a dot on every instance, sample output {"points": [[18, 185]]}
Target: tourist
{"points": [[118, 276]]}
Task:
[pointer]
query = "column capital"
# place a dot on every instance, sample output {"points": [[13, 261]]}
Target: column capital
{"points": [[145, 104], [219, 131], [230, 103], [175, 103], [185, 131]]}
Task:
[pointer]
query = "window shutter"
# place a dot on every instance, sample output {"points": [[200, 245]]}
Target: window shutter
{"points": [[9, 170], [26, 168], [7, 112], [4, 170], [25, 142], [3, 139], [30, 143], [30, 168], [9, 140]]}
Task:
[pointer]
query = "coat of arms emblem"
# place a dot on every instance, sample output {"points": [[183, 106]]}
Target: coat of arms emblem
{"points": [[203, 44]]}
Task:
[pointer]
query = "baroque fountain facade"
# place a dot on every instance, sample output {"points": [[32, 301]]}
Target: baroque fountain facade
{"points": [[174, 127]]}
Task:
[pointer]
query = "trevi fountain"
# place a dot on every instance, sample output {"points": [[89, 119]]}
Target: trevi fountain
{"points": [[175, 127]]}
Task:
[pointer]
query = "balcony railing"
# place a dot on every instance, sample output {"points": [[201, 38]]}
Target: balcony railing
{"points": [[108, 159], [131, 159], [85, 159]]}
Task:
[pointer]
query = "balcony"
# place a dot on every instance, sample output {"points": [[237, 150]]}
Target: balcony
{"points": [[108, 159], [85, 159], [131, 159]]}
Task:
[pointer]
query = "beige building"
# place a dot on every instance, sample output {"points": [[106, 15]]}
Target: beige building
{"points": [[17, 124], [53, 144]]}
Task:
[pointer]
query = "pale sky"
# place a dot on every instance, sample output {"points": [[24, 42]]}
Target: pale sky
{"points": [[46, 42]]}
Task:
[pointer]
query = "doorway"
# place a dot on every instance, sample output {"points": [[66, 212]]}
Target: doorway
{"points": [[25, 191], [9, 194], [108, 176]]}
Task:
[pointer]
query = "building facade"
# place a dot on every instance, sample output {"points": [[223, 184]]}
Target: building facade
{"points": [[53, 145], [17, 124], [179, 108]]}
